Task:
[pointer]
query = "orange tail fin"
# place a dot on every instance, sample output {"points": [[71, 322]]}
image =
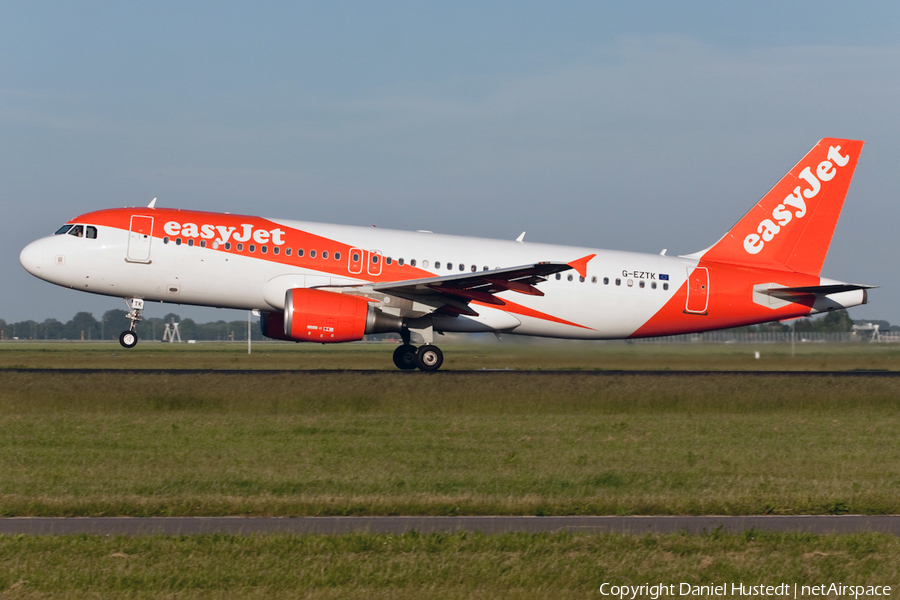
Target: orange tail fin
{"points": [[791, 227]]}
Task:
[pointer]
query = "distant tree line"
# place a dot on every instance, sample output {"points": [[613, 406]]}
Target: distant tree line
{"points": [[835, 321], [84, 326]]}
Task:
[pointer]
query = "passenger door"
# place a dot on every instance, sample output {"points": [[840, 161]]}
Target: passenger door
{"points": [[140, 235]]}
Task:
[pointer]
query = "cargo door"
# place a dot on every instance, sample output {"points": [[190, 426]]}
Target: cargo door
{"points": [[697, 291], [140, 235]]}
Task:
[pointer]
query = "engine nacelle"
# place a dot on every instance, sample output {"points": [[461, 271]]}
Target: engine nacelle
{"points": [[328, 317]]}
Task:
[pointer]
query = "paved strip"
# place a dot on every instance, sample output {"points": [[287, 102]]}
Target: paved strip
{"points": [[889, 524], [451, 373]]}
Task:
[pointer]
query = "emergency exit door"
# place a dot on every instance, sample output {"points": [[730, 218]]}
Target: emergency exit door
{"points": [[697, 291]]}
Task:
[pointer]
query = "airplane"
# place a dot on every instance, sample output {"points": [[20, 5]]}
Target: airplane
{"points": [[325, 283]]}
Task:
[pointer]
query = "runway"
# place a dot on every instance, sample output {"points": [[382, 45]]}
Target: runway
{"points": [[451, 373], [638, 525]]}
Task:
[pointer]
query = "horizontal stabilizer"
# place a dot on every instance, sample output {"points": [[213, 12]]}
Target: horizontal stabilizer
{"points": [[819, 298], [819, 290]]}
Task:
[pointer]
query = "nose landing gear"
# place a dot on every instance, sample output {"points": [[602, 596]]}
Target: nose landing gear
{"points": [[129, 339]]}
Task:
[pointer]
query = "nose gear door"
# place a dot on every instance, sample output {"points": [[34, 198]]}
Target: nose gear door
{"points": [[140, 235]]}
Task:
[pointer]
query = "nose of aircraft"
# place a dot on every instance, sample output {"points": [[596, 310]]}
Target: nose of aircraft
{"points": [[31, 258]]}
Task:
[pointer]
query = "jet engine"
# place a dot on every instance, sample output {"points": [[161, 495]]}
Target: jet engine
{"points": [[328, 317], [272, 326]]}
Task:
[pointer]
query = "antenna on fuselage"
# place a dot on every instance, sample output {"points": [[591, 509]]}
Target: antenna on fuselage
{"points": [[152, 204]]}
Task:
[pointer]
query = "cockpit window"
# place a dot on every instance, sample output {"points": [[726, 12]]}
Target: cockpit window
{"points": [[91, 232], [63, 229], [77, 231]]}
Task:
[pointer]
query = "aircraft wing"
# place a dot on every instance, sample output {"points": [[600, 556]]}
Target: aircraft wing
{"points": [[451, 294]]}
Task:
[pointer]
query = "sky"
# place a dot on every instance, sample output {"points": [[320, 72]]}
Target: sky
{"points": [[625, 125]]}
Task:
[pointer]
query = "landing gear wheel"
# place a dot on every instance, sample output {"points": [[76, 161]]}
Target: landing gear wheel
{"points": [[429, 358], [405, 357], [128, 339]]}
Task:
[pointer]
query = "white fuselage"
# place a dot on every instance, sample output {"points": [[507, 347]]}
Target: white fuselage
{"points": [[620, 292]]}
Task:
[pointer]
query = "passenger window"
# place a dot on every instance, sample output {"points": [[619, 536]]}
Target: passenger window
{"points": [[90, 232], [240, 247], [569, 277], [606, 281], [299, 251], [665, 286], [641, 283], [63, 229], [374, 259], [77, 231], [276, 250], [437, 264], [337, 256], [425, 264], [618, 281], [228, 245], [287, 251], [312, 253], [264, 249], [558, 276], [581, 279], [166, 240], [388, 260], [412, 262], [653, 285], [355, 257], [630, 282], [177, 241], [486, 269], [594, 279], [325, 254], [400, 261], [462, 267], [191, 242], [252, 247], [449, 266], [203, 243], [474, 268]]}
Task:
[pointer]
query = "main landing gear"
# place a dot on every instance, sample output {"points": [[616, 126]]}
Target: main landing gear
{"points": [[426, 358], [129, 338], [407, 357]]}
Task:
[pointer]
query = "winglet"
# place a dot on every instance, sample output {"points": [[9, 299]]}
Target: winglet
{"points": [[580, 265], [521, 237], [152, 204]]}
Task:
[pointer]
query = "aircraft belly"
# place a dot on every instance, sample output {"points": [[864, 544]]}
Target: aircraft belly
{"points": [[488, 319]]}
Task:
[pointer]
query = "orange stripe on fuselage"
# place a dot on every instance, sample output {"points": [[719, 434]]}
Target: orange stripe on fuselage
{"points": [[518, 309], [120, 218], [730, 302]]}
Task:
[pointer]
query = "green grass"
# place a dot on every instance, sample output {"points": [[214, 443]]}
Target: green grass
{"points": [[513, 353], [558, 566], [451, 443]]}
